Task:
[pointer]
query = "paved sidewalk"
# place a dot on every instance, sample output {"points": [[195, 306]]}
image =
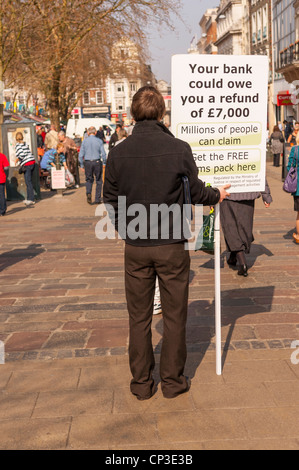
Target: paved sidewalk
{"points": [[63, 321]]}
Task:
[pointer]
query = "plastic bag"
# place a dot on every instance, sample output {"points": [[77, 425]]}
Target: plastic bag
{"points": [[205, 239], [69, 178]]}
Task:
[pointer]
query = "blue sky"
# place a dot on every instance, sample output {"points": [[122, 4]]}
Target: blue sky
{"points": [[162, 45]]}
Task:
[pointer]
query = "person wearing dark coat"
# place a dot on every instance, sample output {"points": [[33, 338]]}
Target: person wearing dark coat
{"points": [[277, 144], [237, 212], [147, 169], [288, 129], [100, 134], [114, 137]]}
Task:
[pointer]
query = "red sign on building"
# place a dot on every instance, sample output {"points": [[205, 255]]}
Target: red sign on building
{"points": [[284, 99]]}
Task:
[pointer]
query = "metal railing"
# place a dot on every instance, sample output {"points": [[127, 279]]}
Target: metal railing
{"points": [[289, 55]]}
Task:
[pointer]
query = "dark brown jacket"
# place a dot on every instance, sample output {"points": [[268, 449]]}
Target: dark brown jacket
{"points": [[147, 168]]}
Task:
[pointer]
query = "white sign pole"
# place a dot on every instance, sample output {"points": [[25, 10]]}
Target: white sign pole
{"points": [[217, 257]]}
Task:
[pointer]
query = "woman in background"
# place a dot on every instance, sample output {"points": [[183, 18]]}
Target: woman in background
{"points": [[293, 161], [277, 143], [237, 212], [27, 162]]}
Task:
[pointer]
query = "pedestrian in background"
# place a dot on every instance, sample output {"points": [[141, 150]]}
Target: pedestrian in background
{"points": [[100, 134], [237, 212], [27, 162], [122, 135], [277, 144], [293, 161], [114, 137], [51, 139], [146, 169], [293, 136], [91, 157], [288, 129], [40, 144], [4, 165], [71, 155], [56, 157]]}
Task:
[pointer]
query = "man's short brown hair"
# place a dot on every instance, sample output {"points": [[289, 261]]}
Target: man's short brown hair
{"points": [[148, 104]]}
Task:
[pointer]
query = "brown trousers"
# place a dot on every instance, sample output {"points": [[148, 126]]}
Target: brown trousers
{"points": [[171, 263]]}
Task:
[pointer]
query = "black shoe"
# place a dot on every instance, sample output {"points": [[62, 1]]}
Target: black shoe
{"points": [[243, 271], [99, 202], [89, 198]]}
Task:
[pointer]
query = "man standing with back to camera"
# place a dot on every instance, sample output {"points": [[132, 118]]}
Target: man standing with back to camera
{"points": [[147, 168], [92, 156]]}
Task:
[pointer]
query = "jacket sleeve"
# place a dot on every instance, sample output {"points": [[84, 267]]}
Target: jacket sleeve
{"points": [[291, 157], [200, 193], [81, 153], [266, 195], [5, 162], [19, 152]]}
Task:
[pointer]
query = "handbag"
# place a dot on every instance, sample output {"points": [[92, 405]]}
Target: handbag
{"points": [[21, 169], [291, 182], [205, 239]]}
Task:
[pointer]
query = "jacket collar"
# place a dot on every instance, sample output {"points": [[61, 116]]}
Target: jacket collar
{"points": [[151, 126]]}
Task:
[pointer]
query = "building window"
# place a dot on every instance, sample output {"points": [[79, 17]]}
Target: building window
{"points": [[284, 32], [86, 98], [120, 105], [265, 22], [259, 26], [254, 28], [120, 88], [133, 87], [100, 99]]}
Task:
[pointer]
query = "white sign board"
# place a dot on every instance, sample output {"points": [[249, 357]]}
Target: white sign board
{"points": [[58, 178], [219, 106]]}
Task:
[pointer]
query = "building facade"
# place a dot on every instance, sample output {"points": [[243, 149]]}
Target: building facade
{"points": [[19, 100], [111, 96], [260, 25], [130, 74], [229, 21], [94, 101], [260, 28], [285, 50], [208, 25]]}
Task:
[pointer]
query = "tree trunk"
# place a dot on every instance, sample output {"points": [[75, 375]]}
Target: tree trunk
{"points": [[54, 98], [63, 106]]}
